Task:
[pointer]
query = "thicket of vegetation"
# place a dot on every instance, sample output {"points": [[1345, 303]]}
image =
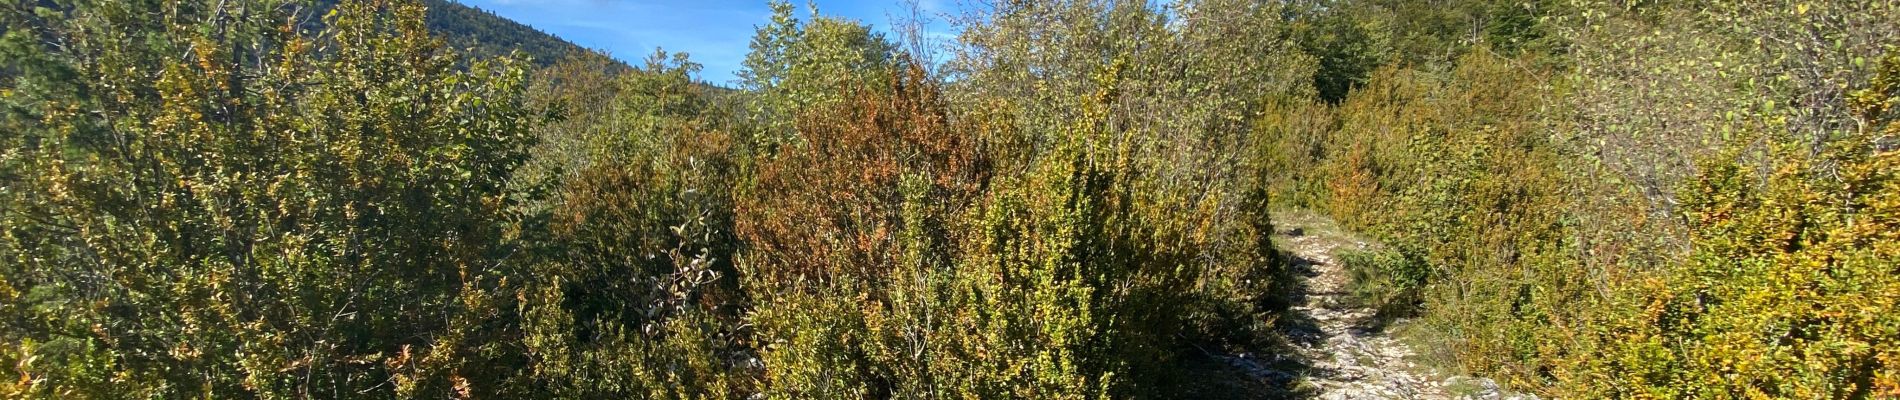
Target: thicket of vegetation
{"points": [[1668, 200], [229, 198]]}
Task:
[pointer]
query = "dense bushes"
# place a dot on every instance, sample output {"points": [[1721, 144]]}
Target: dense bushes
{"points": [[1575, 245], [1667, 200], [1454, 172], [218, 203], [633, 290], [1791, 289], [206, 204], [1031, 213], [1384, 280], [851, 230]]}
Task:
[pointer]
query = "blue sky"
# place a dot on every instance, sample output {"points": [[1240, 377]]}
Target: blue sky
{"points": [[714, 32]]}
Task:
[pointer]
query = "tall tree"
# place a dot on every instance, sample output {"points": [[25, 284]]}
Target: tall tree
{"points": [[796, 66]]}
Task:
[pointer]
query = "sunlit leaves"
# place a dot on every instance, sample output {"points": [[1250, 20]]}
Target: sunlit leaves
{"points": [[265, 213]]}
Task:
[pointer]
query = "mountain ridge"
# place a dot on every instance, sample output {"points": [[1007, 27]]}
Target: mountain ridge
{"points": [[482, 33]]}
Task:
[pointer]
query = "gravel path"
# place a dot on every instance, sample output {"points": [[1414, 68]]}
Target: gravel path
{"points": [[1339, 357]]}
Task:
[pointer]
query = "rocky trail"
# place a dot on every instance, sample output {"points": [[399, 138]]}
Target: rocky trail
{"points": [[1338, 351]]}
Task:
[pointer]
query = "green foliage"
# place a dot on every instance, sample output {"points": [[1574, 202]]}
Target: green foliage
{"points": [[1454, 172], [927, 240], [633, 283], [222, 202], [213, 202], [1790, 290], [1290, 139], [1171, 103], [1352, 39], [1542, 202], [848, 234], [1027, 211], [261, 198], [796, 67], [1385, 280]]}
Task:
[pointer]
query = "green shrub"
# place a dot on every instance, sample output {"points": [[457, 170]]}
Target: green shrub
{"points": [[201, 199], [632, 285], [1077, 237], [206, 199], [1384, 280], [1563, 241], [1790, 291]]}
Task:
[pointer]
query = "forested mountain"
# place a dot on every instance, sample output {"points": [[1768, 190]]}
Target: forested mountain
{"points": [[489, 35], [485, 35], [1085, 199]]}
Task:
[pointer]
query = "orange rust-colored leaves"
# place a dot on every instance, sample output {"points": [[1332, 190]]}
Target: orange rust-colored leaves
{"points": [[831, 204]]}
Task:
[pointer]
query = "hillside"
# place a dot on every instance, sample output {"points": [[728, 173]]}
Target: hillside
{"points": [[487, 34], [484, 34]]}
